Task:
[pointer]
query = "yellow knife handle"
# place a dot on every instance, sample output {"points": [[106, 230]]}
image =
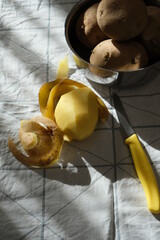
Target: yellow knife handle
{"points": [[145, 173]]}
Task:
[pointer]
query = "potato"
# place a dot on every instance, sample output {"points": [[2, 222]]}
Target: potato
{"points": [[87, 29], [150, 37], [51, 92], [122, 19], [119, 56], [76, 113]]}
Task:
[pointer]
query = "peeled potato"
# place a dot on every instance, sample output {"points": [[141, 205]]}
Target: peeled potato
{"points": [[79, 101], [50, 93], [76, 113]]}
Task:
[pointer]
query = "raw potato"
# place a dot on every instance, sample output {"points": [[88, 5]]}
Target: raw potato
{"points": [[122, 19], [87, 29], [51, 92], [150, 37], [76, 113], [121, 56]]}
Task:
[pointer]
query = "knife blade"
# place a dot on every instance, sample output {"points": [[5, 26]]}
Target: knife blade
{"points": [[141, 162]]}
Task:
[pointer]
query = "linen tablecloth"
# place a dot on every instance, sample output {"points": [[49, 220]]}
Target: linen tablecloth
{"points": [[93, 192]]}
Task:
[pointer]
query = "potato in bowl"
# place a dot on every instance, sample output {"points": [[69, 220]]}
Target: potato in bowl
{"points": [[122, 19], [87, 28], [133, 30], [120, 56]]}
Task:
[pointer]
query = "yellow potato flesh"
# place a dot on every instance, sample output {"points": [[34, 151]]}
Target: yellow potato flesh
{"points": [[76, 113]]}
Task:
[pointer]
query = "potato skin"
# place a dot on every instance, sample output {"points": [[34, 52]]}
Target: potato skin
{"points": [[122, 19], [119, 56], [87, 29], [150, 37]]}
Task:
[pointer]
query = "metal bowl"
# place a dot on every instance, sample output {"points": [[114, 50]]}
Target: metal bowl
{"points": [[107, 76]]}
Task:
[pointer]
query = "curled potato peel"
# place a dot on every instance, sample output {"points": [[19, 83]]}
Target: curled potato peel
{"points": [[79, 62], [41, 140], [63, 68]]}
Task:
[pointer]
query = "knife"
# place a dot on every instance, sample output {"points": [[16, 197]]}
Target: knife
{"points": [[141, 162]]}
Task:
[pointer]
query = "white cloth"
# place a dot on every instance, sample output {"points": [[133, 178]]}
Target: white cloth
{"points": [[93, 193]]}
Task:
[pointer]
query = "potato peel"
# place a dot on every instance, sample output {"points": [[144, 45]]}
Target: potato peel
{"points": [[47, 150], [44, 94], [63, 69], [79, 63], [103, 111]]}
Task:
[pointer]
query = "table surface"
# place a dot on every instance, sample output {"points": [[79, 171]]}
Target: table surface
{"points": [[93, 191]]}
